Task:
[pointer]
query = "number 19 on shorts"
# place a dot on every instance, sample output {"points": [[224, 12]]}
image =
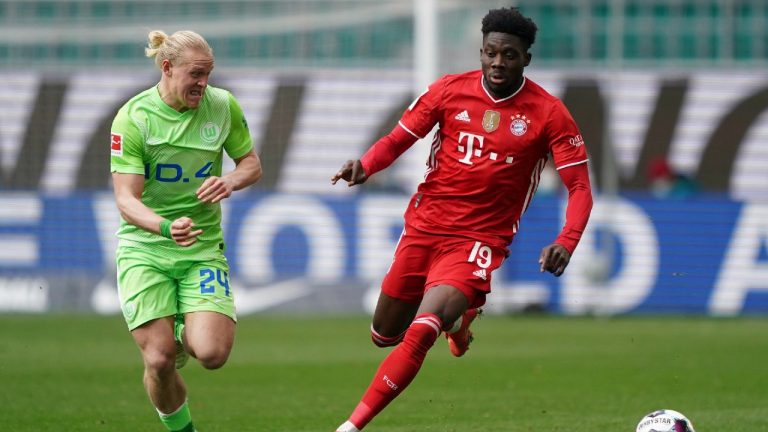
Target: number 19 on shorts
{"points": [[481, 254]]}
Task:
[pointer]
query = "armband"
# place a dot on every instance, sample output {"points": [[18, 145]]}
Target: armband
{"points": [[165, 229]]}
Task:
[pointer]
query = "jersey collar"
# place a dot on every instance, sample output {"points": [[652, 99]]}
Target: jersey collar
{"points": [[482, 81], [164, 106]]}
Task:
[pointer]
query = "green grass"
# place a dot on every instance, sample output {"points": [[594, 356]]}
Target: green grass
{"points": [[83, 373]]}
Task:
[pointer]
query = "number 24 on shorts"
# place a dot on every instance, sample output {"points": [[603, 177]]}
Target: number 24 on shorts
{"points": [[208, 276]]}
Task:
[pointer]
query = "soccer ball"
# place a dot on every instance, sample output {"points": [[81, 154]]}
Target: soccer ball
{"points": [[665, 420]]}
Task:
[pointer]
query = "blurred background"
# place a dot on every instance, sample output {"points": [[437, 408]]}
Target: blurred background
{"points": [[671, 97]]}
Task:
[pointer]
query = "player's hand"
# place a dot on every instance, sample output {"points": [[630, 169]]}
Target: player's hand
{"points": [[183, 231], [554, 259], [214, 189], [352, 172]]}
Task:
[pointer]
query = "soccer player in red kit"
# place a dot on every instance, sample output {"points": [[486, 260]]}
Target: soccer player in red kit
{"points": [[496, 131]]}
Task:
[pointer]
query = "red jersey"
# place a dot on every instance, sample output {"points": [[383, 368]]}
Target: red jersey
{"points": [[487, 155]]}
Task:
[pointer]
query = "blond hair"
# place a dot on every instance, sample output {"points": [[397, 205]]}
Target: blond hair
{"points": [[164, 47]]}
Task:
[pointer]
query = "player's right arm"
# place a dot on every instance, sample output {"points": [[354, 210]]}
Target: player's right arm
{"points": [[128, 189], [417, 121], [127, 166], [378, 157], [351, 172]]}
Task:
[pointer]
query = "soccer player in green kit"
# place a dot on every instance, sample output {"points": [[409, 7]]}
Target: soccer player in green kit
{"points": [[173, 278]]}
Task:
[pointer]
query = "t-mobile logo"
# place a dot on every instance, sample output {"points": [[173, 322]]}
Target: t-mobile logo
{"points": [[467, 143]]}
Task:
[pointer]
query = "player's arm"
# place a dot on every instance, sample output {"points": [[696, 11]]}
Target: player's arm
{"points": [[416, 122], [380, 156], [239, 146], [247, 172], [555, 257], [128, 189]]}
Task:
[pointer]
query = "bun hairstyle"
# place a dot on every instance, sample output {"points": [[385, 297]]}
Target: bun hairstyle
{"points": [[163, 47]]}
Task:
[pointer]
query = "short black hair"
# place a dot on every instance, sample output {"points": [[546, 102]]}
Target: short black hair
{"points": [[510, 21]]}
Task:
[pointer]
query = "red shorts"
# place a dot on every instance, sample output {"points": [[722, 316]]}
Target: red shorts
{"points": [[423, 261]]}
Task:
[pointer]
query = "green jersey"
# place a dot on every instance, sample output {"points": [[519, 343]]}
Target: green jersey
{"points": [[176, 152]]}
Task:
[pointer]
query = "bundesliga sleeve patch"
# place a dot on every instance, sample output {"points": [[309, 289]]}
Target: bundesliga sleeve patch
{"points": [[117, 144]]}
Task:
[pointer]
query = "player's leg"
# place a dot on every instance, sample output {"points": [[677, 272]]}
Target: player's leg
{"points": [[395, 318], [164, 385], [444, 301], [402, 288], [399, 368], [390, 320], [468, 266], [458, 280], [148, 300], [182, 356], [208, 337], [459, 334], [207, 304]]}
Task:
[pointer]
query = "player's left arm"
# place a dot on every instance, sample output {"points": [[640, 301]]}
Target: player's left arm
{"points": [[247, 172], [239, 146], [555, 257], [570, 156]]}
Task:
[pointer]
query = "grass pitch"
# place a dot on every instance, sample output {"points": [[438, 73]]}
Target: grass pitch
{"points": [[83, 373]]}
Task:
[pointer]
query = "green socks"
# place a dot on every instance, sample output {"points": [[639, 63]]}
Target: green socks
{"points": [[181, 419], [178, 421], [178, 328]]}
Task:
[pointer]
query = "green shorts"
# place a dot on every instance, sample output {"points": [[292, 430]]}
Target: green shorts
{"points": [[151, 286]]}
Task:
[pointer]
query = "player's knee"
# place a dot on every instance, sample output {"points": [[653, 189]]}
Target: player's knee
{"points": [[212, 358], [383, 341], [160, 362]]}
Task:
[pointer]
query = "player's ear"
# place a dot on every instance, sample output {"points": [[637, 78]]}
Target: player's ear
{"points": [[528, 57], [483, 45], [165, 66]]}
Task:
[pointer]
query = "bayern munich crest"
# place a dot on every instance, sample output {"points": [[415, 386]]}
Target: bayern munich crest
{"points": [[519, 125]]}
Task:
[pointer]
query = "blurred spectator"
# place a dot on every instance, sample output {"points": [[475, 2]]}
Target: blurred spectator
{"points": [[666, 183]]}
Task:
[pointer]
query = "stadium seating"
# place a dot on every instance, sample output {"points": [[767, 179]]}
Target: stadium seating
{"points": [[354, 33], [637, 31]]}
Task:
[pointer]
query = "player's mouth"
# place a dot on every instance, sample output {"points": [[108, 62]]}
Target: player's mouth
{"points": [[196, 94], [497, 78]]}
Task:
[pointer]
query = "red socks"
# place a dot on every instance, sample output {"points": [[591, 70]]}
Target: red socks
{"points": [[398, 369], [385, 341]]}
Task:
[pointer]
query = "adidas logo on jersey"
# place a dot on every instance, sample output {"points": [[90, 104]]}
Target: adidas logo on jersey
{"points": [[462, 116], [481, 274]]}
